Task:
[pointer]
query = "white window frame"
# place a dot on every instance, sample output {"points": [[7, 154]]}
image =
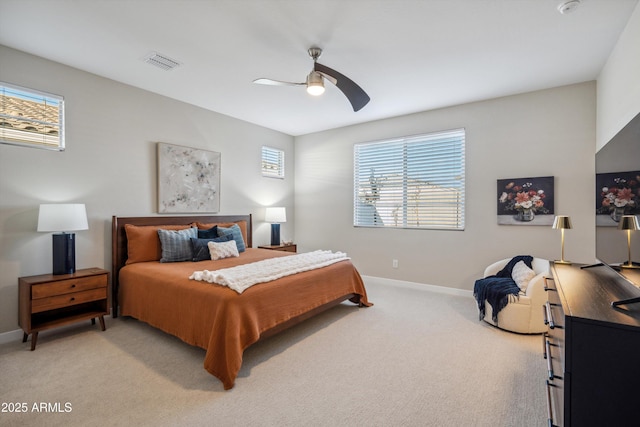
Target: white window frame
{"points": [[31, 118], [272, 162], [411, 182]]}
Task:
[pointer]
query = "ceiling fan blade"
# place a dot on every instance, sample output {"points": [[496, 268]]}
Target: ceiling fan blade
{"points": [[276, 82], [354, 93]]}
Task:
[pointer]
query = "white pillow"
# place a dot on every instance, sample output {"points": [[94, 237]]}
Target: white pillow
{"points": [[522, 275], [219, 250]]}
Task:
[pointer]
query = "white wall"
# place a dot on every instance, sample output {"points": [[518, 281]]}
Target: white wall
{"points": [[110, 165], [550, 132], [619, 83]]}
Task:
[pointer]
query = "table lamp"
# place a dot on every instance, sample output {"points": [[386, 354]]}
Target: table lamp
{"points": [[62, 218], [629, 223], [562, 222], [275, 216]]}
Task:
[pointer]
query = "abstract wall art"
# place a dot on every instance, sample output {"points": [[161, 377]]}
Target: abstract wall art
{"points": [[188, 179]]}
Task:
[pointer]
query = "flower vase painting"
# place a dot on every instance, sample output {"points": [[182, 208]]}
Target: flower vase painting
{"points": [[526, 201], [617, 194]]}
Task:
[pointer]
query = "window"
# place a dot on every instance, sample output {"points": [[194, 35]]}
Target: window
{"points": [[31, 118], [272, 162], [412, 182]]}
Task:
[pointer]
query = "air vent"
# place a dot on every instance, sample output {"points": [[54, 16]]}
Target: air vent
{"points": [[161, 61]]}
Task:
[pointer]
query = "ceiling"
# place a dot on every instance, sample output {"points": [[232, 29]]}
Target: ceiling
{"points": [[408, 55]]}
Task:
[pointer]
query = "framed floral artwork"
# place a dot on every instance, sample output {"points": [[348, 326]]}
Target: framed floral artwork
{"points": [[526, 201], [617, 194], [188, 179]]}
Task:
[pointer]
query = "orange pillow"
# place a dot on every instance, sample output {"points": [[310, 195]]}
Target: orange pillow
{"points": [[242, 224], [143, 243]]}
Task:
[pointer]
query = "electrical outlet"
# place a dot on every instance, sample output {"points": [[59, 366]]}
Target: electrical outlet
{"points": [[395, 263]]}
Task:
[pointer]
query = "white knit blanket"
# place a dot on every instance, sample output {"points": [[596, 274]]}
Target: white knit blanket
{"points": [[242, 277]]}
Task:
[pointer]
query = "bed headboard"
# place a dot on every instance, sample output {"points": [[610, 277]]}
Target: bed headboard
{"points": [[119, 239]]}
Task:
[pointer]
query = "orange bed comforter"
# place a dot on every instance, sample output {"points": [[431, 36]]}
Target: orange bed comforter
{"points": [[217, 318]]}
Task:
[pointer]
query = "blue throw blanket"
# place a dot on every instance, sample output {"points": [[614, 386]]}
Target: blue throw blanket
{"points": [[499, 289]]}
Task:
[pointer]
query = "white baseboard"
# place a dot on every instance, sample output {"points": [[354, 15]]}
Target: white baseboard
{"points": [[10, 336], [418, 286]]}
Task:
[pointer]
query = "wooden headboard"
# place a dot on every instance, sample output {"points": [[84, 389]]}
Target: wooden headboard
{"points": [[119, 239]]}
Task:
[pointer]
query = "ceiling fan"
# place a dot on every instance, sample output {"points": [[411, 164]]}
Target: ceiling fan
{"points": [[315, 82]]}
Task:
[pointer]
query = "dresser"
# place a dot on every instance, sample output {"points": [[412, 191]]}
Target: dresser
{"points": [[592, 349], [49, 301]]}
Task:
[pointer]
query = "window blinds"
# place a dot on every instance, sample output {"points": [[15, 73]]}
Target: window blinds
{"points": [[412, 182], [272, 162]]}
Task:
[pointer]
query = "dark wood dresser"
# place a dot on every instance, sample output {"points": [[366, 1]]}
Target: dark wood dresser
{"points": [[592, 349]]}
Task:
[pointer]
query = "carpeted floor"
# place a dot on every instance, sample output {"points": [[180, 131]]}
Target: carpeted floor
{"points": [[416, 358]]}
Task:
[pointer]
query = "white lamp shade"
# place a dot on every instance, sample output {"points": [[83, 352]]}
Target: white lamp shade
{"points": [[275, 215], [62, 217]]}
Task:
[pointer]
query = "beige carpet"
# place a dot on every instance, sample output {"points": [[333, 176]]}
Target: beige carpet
{"points": [[417, 358]]}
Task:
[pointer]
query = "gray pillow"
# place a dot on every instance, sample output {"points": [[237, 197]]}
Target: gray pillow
{"points": [[176, 244]]}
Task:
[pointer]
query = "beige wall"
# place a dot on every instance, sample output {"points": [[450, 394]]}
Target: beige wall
{"points": [[110, 165], [550, 132], [619, 83]]}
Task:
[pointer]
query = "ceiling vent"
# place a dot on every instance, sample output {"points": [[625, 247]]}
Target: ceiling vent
{"points": [[161, 61]]}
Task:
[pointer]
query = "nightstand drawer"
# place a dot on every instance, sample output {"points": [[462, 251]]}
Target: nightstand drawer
{"points": [[66, 300], [61, 287]]}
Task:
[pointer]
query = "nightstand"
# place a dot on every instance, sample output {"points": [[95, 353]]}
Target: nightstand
{"points": [[48, 301], [285, 248]]}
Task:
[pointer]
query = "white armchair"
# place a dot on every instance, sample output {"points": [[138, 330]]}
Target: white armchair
{"points": [[525, 314]]}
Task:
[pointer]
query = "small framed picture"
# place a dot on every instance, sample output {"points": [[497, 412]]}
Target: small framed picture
{"points": [[526, 201]]}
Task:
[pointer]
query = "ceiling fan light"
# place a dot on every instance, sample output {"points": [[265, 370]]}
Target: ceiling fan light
{"points": [[315, 84], [315, 90]]}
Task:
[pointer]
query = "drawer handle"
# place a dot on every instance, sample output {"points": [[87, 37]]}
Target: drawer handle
{"points": [[72, 299], [73, 286], [544, 344], [546, 286], [549, 408], [549, 317], [547, 346]]}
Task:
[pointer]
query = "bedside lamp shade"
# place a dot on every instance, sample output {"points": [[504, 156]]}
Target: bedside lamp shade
{"points": [[562, 222], [61, 218], [275, 216], [629, 223]]}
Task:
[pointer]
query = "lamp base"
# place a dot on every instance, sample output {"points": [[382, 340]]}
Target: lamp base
{"points": [[275, 234], [64, 253], [561, 261], [629, 265]]}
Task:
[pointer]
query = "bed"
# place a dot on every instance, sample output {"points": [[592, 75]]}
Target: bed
{"points": [[211, 316]]}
